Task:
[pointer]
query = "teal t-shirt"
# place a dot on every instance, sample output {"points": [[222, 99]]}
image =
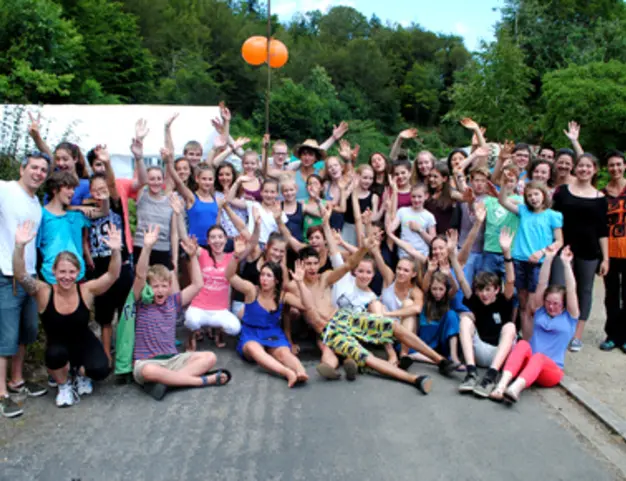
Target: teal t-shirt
{"points": [[535, 231], [497, 218], [58, 233]]}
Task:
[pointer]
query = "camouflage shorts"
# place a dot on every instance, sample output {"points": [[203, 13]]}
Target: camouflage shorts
{"points": [[346, 330]]}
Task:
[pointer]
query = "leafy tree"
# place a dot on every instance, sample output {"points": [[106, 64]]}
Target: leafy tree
{"points": [[494, 90], [41, 52], [595, 96]]}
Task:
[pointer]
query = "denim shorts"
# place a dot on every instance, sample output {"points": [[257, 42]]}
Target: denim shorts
{"points": [[526, 275], [19, 319]]}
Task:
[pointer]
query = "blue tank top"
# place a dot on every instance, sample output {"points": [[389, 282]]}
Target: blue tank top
{"points": [[202, 216], [295, 222], [256, 316]]}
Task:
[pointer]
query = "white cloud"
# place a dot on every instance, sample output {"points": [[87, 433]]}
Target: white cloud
{"points": [[284, 9]]}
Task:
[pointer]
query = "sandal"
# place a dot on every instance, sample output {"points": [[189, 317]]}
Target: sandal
{"points": [[423, 384], [218, 377]]}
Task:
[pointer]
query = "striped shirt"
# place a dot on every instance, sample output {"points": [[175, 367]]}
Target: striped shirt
{"points": [[155, 328]]}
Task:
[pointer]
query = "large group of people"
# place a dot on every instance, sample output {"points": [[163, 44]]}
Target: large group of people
{"points": [[484, 259]]}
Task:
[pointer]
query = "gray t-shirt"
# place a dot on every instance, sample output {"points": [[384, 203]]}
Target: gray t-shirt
{"points": [[151, 211]]}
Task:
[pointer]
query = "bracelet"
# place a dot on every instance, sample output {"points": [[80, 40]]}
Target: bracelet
{"points": [[508, 259]]}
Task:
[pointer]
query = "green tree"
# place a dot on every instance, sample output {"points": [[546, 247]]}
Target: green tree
{"points": [[41, 52], [595, 96], [113, 53], [494, 90], [420, 94]]}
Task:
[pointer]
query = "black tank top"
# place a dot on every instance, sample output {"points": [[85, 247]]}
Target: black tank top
{"points": [[364, 204], [65, 326], [248, 272]]}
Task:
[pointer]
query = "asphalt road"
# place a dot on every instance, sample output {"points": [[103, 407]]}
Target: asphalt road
{"points": [[257, 429]]}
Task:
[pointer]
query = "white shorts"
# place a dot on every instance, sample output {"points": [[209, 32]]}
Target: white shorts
{"points": [[196, 318]]}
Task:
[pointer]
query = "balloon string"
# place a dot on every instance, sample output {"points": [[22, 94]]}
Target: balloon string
{"points": [[269, 69]]}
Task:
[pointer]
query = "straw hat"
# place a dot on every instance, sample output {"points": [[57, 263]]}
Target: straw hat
{"points": [[310, 144]]}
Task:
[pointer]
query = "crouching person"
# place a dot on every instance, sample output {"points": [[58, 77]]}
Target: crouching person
{"points": [[488, 332], [159, 302]]}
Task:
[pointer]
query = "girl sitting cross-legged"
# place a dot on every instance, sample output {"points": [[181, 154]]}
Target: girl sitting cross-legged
{"points": [[262, 340]]}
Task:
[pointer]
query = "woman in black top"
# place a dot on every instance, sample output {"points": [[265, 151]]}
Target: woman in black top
{"points": [[64, 309], [585, 230]]}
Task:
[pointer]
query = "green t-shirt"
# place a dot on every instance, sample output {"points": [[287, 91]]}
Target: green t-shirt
{"points": [[497, 218], [310, 221]]}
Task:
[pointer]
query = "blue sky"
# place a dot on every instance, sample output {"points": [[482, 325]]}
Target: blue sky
{"points": [[471, 19]]}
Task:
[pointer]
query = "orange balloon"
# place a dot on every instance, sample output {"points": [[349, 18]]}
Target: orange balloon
{"points": [[254, 50], [278, 54]]}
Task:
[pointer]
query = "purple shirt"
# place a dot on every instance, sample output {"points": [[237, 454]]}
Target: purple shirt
{"points": [[155, 328]]}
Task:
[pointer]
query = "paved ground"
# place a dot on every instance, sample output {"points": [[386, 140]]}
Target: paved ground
{"points": [[257, 429], [602, 374]]}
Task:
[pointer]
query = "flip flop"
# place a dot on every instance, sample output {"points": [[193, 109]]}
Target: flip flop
{"points": [[218, 377], [327, 372]]}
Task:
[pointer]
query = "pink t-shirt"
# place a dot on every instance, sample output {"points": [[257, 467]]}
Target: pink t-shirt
{"points": [[125, 190], [215, 293]]}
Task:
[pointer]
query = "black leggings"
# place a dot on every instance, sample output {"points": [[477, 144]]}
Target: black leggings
{"points": [[80, 351], [615, 301], [113, 300]]}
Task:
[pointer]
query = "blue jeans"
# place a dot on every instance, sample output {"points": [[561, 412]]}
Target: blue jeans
{"points": [[493, 262], [473, 266], [19, 320]]}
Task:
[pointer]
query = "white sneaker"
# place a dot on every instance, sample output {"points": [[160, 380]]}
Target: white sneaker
{"points": [[83, 385], [67, 395]]}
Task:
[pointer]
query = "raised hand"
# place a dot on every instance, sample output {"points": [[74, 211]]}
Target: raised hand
{"points": [[240, 142], [102, 154], [240, 246], [176, 203], [492, 190], [35, 124], [224, 112], [480, 212], [266, 140], [114, 240], [432, 265], [141, 129], [573, 131], [392, 183], [452, 241], [468, 195], [567, 255], [190, 246], [366, 217], [25, 233], [506, 149], [136, 148], [408, 134], [166, 155], [482, 151], [151, 235], [298, 273], [345, 151], [327, 211], [469, 124], [370, 242], [256, 215], [340, 130], [170, 120], [355, 152], [218, 125], [506, 239]]}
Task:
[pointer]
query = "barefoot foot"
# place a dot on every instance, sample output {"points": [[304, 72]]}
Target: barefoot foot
{"points": [[292, 378]]}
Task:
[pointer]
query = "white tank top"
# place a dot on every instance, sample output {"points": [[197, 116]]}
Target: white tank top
{"points": [[390, 300]]}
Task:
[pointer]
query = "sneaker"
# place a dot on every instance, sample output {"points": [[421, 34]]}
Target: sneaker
{"points": [[83, 385], [608, 345], [469, 383], [447, 367], [31, 388], [8, 408], [575, 345], [67, 395], [484, 387], [51, 381], [623, 348], [155, 389]]}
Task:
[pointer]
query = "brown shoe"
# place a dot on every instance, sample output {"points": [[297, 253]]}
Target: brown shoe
{"points": [[349, 365], [327, 372]]}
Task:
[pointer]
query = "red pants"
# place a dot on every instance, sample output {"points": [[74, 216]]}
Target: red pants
{"points": [[532, 367]]}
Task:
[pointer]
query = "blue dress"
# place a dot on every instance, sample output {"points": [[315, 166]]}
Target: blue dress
{"points": [[261, 326]]}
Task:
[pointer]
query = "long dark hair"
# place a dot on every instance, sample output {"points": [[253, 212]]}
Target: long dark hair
{"points": [[217, 184], [277, 271], [208, 247], [435, 309], [191, 181], [445, 199]]}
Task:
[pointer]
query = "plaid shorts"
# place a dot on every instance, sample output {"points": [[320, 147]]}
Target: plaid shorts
{"points": [[346, 330]]}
